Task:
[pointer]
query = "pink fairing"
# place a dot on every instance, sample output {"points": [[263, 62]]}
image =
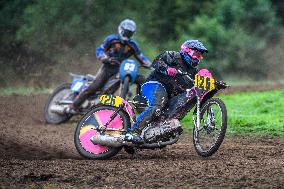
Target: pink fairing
{"points": [[205, 72], [88, 131], [171, 71]]}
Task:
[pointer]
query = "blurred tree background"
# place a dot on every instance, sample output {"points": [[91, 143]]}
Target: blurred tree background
{"points": [[43, 40]]}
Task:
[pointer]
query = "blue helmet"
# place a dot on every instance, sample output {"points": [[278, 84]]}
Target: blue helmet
{"points": [[191, 52]]}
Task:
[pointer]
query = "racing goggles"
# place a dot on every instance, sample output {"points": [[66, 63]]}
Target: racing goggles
{"points": [[127, 33], [194, 54]]}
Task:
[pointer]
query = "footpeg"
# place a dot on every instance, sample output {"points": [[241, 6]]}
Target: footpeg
{"points": [[133, 138]]}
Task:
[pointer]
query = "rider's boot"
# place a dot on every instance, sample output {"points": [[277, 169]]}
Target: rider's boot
{"points": [[135, 135], [71, 109], [141, 122], [134, 138], [74, 108]]}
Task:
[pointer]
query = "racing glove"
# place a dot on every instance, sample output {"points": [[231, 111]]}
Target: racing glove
{"points": [[109, 60], [171, 71]]}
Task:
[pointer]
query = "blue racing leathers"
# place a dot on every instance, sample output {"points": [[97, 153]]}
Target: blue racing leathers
{"points": [[157, 97], [113, 47]]}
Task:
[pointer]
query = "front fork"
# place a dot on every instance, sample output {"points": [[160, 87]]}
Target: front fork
{"points": [[197, 121]]}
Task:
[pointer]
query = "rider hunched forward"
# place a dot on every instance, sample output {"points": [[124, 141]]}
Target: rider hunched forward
{"points": [[115, 49], [164, 82]]}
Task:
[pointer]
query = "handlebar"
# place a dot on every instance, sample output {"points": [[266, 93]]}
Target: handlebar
{"points": [[221, 84], [185, 74], [148, 68], [115, 61]]}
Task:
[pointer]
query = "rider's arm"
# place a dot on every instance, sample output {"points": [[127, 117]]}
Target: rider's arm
{"points": [[143, 60], [100, 51], [162, 63], [140, 57]]}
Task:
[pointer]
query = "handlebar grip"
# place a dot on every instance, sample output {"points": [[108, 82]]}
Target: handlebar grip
{"points": [[180, 72], [221, 85], [146, 67]]}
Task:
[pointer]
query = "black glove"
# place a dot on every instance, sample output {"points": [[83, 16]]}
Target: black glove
{"points": [[109, 60], [221, 85]]}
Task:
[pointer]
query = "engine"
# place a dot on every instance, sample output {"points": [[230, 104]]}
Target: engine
{"points": [[162, 131]]}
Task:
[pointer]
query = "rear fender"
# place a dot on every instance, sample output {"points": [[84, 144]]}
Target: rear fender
{"points": [[116, 101]]}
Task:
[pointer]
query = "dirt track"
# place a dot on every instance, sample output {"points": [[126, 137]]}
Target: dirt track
{"points": [[33, 154]]}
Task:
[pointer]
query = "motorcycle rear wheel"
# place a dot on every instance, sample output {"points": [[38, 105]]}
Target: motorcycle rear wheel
{"points": [[212, 128], [86, 129], [57, 94]]}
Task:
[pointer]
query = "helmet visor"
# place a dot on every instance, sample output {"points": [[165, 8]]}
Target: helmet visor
{"points": [[195, 54], [127, 33]]}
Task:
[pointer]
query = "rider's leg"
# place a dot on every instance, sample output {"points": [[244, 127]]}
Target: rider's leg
{"points": [[157, 97], [104, 73]]}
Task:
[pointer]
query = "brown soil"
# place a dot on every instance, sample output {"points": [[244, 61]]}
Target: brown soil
{"points": [[36, 155]]}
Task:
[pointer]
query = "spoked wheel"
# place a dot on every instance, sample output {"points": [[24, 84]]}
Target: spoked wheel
{"points": [[86, 129], [213, 125], [63, 92]]}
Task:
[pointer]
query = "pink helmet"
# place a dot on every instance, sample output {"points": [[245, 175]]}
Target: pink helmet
{"points": [[191, 51]]}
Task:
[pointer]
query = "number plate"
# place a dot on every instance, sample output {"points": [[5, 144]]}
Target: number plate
{"points": [[77, 86], [129, 67], [111, 100], [203, 83]]}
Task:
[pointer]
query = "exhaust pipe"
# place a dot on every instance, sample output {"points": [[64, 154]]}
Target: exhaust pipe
{"points": [[109, 140], [117, 141]]}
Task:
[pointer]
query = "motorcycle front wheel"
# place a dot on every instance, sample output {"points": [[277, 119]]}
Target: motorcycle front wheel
{"points": [[60, 93], [86, 129], [213, 125]]}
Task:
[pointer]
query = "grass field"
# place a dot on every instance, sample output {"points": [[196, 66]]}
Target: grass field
{"points": [[253, 113]]}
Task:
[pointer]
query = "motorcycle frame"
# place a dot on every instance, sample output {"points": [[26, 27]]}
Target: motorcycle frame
{"points": [[201, 98]]}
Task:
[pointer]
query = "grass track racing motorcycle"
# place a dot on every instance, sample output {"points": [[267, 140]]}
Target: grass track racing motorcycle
{"points": [[101, 132], [63, 96]]}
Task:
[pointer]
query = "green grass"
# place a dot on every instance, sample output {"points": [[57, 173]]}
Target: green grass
{"points": [[254, 113], [21, 91], [247, 81]]}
